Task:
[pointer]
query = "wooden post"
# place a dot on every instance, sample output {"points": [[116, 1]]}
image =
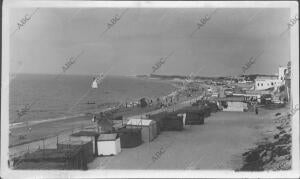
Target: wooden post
{"points": [[43, 147], [56, 141]]}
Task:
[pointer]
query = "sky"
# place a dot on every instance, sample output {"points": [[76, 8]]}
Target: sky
{"points": [[142, 36]]}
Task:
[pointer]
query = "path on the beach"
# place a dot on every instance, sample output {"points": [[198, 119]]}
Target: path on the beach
{"points": [[218, 144]]}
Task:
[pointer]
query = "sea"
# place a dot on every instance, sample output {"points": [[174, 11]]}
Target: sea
{"points": [[48, 97]]}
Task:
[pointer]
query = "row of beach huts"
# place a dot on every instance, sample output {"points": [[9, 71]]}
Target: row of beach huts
{"points": [[83, 146]]}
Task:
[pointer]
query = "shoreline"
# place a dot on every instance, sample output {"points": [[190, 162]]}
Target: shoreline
{"points": [[85, 113], [132, 111]]}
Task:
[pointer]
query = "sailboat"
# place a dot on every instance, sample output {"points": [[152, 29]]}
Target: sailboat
{"points": [[95, 84], [97, 81]]}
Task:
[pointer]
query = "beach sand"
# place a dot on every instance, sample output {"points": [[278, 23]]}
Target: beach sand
{"points": [[218, 144], [49, 130]]}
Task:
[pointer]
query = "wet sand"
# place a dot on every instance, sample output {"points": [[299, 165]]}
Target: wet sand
{"points": [[218, 144]]}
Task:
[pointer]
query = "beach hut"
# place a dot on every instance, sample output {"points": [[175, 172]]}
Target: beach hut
{"points": [[194, 118], [173, 122], [109, 144], [207, 110], [75, 143], [158, 118], [213, 106], [88, 136], [194, 115], [148, 127], [169, 121], [131, 137], [60, 159]]}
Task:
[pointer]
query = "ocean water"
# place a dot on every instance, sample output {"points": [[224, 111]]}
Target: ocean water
{"points": [[72, 94]]}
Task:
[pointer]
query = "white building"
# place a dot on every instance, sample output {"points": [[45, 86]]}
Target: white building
{"points": [[266, 83], [108, 144], [263, 83]]}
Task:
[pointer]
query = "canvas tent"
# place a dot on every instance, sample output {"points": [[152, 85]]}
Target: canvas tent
{"points": [[109, 144], [130, 137], [148, 127]]}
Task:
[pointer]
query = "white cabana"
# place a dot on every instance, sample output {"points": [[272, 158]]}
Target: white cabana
{"points": [[108, 144]]}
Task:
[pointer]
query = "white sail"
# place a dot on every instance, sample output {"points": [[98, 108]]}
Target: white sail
{"points": [[95, 84], [97, 80]]}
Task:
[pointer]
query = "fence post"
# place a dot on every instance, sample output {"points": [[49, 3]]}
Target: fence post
{"points": [[56, 141], [43, 147], [43, 143]]}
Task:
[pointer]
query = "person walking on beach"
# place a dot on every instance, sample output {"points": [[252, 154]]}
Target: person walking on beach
{"points": [[256, 109]]}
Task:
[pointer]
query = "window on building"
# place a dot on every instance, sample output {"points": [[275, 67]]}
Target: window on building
{"points": [[262, 84], [272, 83], [257, 84]]}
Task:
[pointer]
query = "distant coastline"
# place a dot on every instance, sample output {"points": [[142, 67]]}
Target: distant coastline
{"points": [[171, 77]]}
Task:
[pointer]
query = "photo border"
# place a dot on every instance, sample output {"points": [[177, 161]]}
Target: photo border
{"points": [[294, 51]]}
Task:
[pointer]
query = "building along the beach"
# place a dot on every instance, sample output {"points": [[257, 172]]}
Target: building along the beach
{"points": [[263, 83], [149, 128], [109, 144], [267, 82]]}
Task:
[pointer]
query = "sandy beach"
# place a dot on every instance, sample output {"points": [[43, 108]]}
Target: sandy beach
{"points": [[45, 133]]}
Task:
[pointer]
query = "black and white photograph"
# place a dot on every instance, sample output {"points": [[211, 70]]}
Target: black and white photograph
{"points": [[150, 89]]}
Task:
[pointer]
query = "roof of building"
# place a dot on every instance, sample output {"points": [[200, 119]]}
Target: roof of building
{"points": [[129, 130], [85, 133], [74, 141], [139, 122], [267, 78], [108, 137], [232, 99]]}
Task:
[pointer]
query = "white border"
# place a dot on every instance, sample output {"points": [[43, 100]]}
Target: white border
{"points": [[8, 173]]}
